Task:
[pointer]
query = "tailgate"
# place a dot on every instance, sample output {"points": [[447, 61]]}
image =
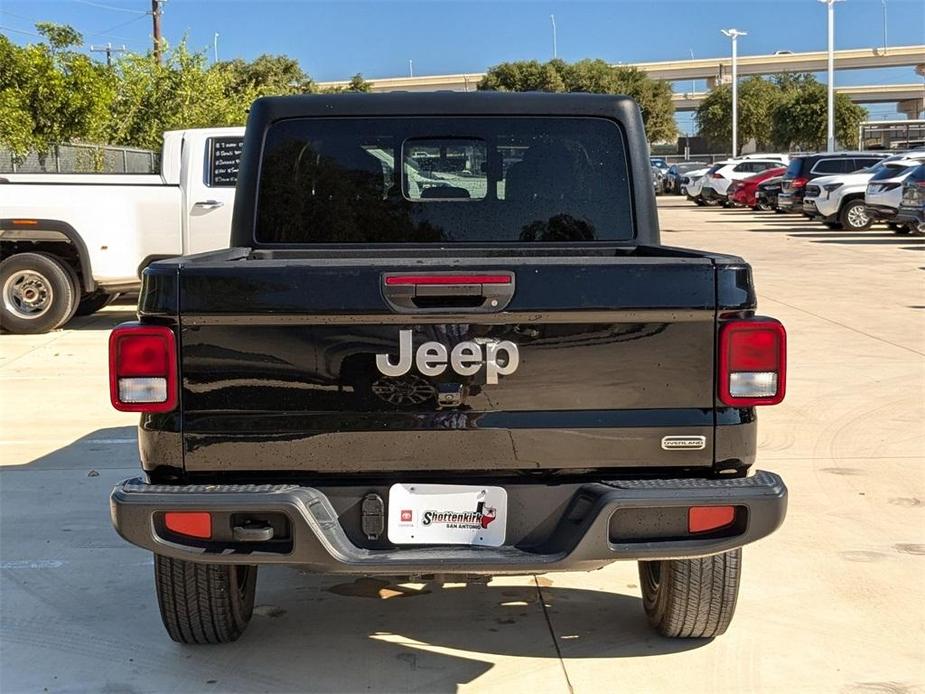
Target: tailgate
{"points": [[329, 366]]}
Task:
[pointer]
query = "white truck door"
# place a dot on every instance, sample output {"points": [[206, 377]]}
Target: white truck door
{"points": [[208, 176]]}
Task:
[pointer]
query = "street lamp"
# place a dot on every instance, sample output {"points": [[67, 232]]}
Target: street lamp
{"points": [[734, 34], [883, 5], [693, 82], [830, 130], [555, 48]]}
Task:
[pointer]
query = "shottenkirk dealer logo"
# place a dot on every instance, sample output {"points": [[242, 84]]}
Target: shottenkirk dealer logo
{"points": [[481, 518]]}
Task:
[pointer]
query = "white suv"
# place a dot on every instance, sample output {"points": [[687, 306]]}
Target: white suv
{"points": [[885, 188], [838, 200], [717, 182]]}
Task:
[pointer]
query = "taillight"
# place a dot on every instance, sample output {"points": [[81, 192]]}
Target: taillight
{"points": [[799, 182], [142, 368], [752, 362], [716, 175]]}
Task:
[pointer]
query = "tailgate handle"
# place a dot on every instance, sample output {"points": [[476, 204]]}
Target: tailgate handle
{"points": [[436, 292]]}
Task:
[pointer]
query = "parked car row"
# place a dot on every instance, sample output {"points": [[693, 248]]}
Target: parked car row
{"points": [[843, 190]]}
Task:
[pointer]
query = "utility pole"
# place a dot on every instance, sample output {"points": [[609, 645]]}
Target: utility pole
{"points": [[734, 34], [156, 21], [830, 128], [108, 49]]}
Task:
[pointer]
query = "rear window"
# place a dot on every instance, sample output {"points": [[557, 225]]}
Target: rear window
{"points": [[443, 180], [889, 171], [841, 165]]}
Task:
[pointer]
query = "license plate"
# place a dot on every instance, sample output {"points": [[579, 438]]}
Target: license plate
{"points": [[447, 514]]}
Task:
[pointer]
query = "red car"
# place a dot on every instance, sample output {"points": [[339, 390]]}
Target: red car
{"points": [[743, 192]]}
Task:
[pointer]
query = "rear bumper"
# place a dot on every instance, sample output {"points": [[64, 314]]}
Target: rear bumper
{"points": [[550, 527], [913, 215], [881, 213], [789, 202]]}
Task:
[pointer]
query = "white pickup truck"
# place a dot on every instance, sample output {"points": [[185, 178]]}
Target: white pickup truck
{"points": [[69, 243]]}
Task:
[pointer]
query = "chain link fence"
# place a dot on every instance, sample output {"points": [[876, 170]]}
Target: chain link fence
{"points": [[83, 159]]}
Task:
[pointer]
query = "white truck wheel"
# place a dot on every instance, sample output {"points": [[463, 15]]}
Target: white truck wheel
{"points": [[36, 293]]}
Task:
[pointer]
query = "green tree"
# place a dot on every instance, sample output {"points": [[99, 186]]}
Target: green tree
{"points": [[757, 100], [799, 121], [596, 76], [266, 75], [525, 76], [49, 93], [356, 84], [180, 92]]}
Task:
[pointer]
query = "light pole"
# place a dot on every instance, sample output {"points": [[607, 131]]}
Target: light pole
{"points": [[555, 48], [693, 82], [215, 47], [883, 5], [830, 128], [734, 34]]}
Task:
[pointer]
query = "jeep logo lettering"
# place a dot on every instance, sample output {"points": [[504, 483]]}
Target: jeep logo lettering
{"points": [[466, 358]]}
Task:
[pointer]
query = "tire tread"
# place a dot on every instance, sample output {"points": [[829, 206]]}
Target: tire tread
{"points": [[696, 598], [199, 603]]}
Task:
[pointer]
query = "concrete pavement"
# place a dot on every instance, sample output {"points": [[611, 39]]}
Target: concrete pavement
{"points": [[835, 601]]}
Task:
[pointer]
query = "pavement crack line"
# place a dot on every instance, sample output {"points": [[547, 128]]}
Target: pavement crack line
{"points": [[33, 350], [842, 325], [552, 634]]}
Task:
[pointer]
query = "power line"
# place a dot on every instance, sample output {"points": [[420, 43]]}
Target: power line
{"points": [[110, 7], [19, 16], [20, 31], [105, 32], [38, 21]]}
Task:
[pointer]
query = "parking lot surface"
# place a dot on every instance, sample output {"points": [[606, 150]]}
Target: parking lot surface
{"points": [[834, 601]]}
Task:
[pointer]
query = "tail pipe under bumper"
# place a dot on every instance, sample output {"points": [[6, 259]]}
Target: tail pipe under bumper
{"points": [[596, 524]]}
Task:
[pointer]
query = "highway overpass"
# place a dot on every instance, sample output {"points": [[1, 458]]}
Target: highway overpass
{"points": [[910, 97], [711, 69]]}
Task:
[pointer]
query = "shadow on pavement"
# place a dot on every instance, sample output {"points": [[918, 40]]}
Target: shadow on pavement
{"points": [[112, 447], [873, 242], [838, 235], [85, 599], [103, 320]]}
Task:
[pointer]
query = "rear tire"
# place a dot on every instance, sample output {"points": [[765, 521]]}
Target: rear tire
{"points": [[854, 217], [691, 598], [901, 229], [91, 303], [204, 603], [36, 293]]}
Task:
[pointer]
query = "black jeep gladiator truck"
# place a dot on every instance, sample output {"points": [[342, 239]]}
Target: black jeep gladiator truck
{"points": [[445, 342]]}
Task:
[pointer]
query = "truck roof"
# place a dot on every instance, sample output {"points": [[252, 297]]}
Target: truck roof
{"points": [[267, 110]]}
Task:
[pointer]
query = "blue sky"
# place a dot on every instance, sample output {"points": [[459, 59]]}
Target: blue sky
{"points": [[334, 40]]}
